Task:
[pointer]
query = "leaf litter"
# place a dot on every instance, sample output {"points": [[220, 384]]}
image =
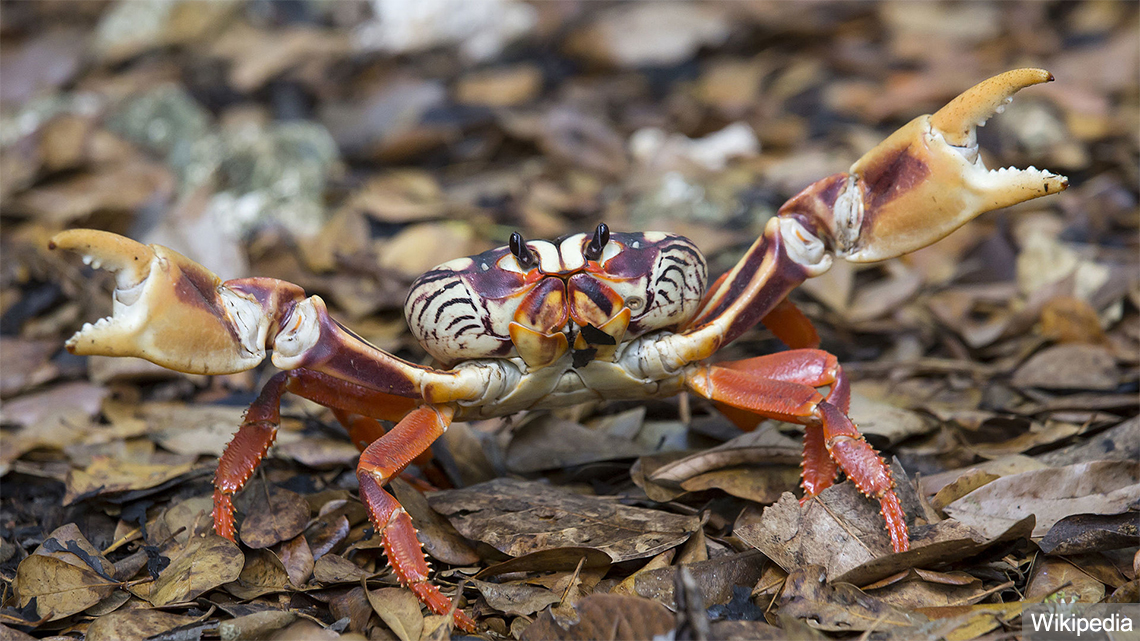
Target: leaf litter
{"points": [[348, 146]]}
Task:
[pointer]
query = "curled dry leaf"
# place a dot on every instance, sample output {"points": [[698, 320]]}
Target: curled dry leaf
{"points": [[135, 625], [792, 537], [333, 568], [297, 559], [716, 578], [1059, 579], [1070, 366], [274, 515], [59, 587], [838, 606], [765, 445], [516, 598], [261, 574], [107, 476], [546, 442], [553, 560], [255, 625], [517, 517], [1098, 487], [605, 616], [1092, 532], [203, 564], [400, 611]]}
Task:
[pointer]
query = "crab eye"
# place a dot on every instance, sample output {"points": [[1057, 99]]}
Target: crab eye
{"points": [[522, 253], [598, 243]]}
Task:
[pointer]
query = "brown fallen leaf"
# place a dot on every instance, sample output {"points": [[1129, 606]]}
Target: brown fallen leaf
{"points": [[516, 598], [762, 484], [261, 574], [202, 565], [765, 444], [1069, 366], [399, 609], [108, 476], [546, 442], [352, 605], [1004, 466], [120, 187], [838, 606], [333, 568], [1061, 580], [255, 625], [297, 559], [68, 544], [59, 588], [788, 536], [553, 560], [604, 617], [517, 517], [273, 514], [1092, 532], [26, 364], [968, 482], [1097, 487], [135, 625], [716, 578], [1119, 443]]}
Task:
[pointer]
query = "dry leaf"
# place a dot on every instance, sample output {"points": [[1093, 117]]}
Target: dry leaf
{"points": [[838, 606], [108, 476], [261, 574], [204, 564], [135, 625], [517, 517], [297, 559], [1058, 579], [400, 610], [1071, 366], [1091, 532], [516, 598], [59, 588], [604, 616], [1099, 487], [273, 514], [332, 568]]}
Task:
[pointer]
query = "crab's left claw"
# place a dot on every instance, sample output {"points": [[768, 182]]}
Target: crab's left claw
{"points": [[172, 311], [927, 179]]}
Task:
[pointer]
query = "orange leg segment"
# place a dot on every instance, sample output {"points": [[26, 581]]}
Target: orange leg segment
{"points": [[378, 464], [782, 386], [385, 456]]}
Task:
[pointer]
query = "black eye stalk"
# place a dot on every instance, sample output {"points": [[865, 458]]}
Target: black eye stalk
{"points": [[522, 253], [598, 242]]}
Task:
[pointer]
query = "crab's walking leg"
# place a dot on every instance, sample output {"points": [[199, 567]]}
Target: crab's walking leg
{"points": [[245, 451], [259, 428], [782, 386], [378, 464]]}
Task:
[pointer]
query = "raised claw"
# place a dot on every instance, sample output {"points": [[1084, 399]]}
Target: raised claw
{"points": [[170, 310], [927, 179]]}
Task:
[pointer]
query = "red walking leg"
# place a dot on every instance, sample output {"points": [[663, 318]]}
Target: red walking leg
{"points": [[782, 386], [378, 464], [245, 451], [259, 428]]}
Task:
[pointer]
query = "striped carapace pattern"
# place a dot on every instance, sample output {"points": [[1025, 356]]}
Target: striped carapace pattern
{"points": [[463, 309]]}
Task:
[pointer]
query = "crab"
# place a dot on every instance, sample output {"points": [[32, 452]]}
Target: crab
{"points": [[540, 324]]}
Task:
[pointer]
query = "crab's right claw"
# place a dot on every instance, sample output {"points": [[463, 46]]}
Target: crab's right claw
{"points": [[170, 310], [927, 179]]}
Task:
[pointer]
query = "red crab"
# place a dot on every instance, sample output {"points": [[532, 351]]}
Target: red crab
{"points": [[543, 324]]}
